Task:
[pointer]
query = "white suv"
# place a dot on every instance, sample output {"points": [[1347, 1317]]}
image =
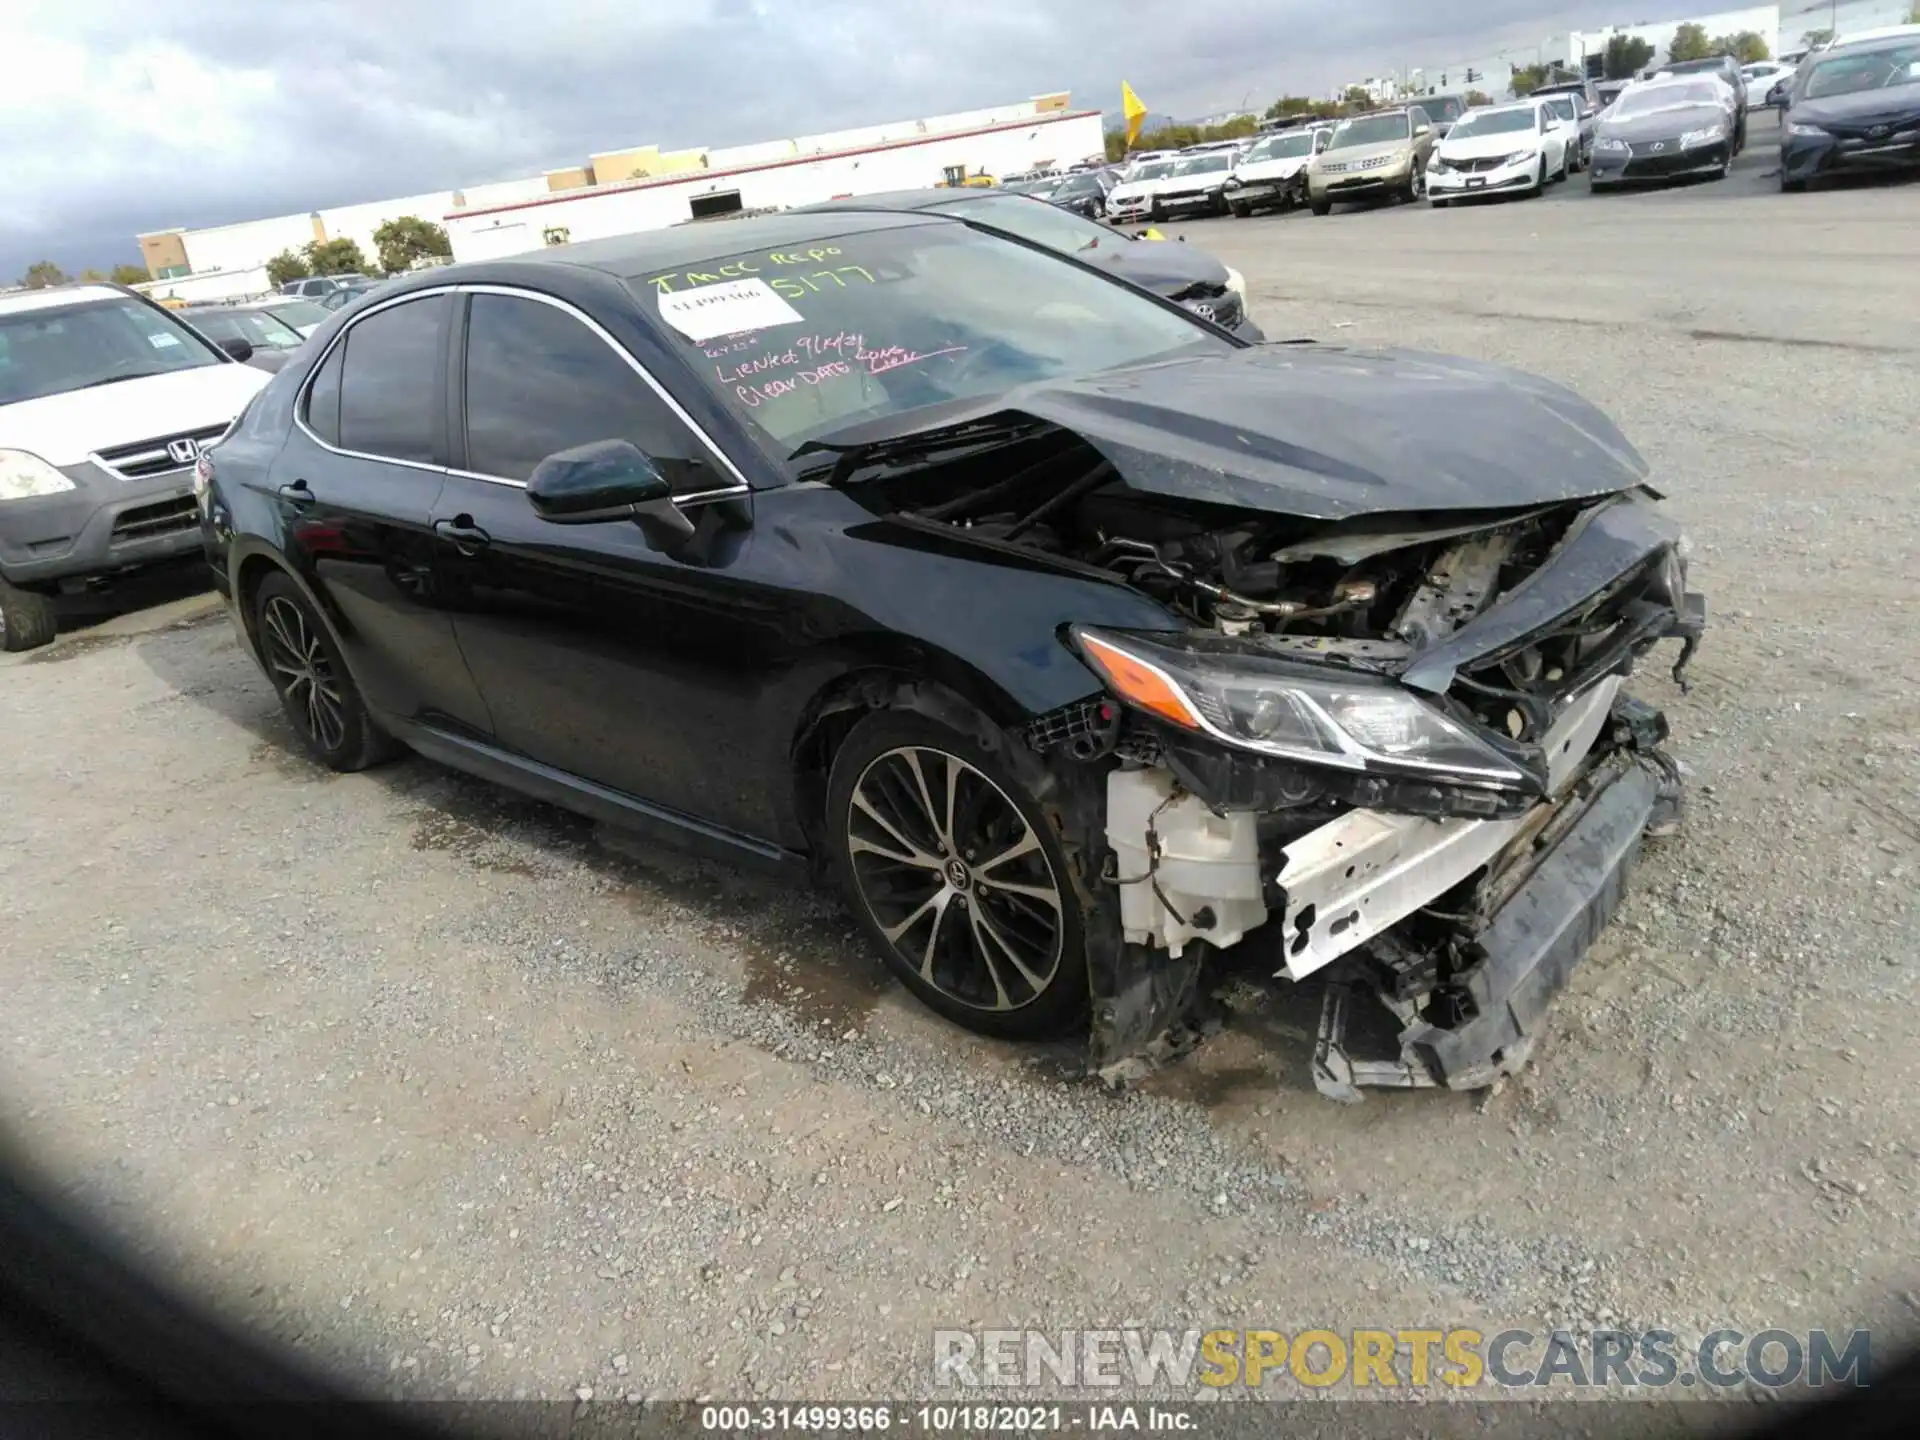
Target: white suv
{"points": [[106, 401]]}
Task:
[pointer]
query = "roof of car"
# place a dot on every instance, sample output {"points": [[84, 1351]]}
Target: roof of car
{"points": [[54, 295], [650, 251], [910, 200]]}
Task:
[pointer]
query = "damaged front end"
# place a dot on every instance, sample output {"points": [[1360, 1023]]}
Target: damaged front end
{"points": [[1390, 746], [1434, 800]]}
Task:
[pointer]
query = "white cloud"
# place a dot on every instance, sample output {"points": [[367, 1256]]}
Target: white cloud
{"points": [[124, 117]]}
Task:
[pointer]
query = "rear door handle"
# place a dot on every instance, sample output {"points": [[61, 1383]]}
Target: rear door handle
{"points": [[465, 536], [297, 494]]}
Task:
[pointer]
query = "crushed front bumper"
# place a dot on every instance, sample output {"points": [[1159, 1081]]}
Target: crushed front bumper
{"points": [[1458, 930], [103, 525], [1522, 955]]}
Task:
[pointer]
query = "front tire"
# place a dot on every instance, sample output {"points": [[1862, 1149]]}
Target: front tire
{"points": [[1539, 181], [953, 871], [316, 690], [1321, 207], [1241, 212], [27, 618]]}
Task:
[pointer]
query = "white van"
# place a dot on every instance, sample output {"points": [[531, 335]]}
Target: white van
{"points": [[106, 400]]}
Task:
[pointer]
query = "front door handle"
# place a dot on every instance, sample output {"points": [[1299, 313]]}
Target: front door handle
{"points": [[297, 494], [465, 536]]}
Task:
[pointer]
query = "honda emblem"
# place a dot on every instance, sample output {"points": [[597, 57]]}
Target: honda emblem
{"points": [[1658, 145], [1205, 312], [183, 451]]}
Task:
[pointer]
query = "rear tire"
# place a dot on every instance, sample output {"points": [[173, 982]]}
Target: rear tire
{"points": [[955, 874], [27, 618], [317, 692]]}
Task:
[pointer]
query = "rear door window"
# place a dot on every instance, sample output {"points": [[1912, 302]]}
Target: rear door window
{"points": [[391, 382]]}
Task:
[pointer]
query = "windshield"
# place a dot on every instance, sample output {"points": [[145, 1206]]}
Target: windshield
{"points": [[1665, 97], [1562, 105], [1078, 185], [256, 327], [887, 321], [1493, 122], [1033, 220], [1283, 147], [299, 312], [1153, 170], [1370, 130], [1205, 164], [1875, 70], [1443, 108], [92, 342]]}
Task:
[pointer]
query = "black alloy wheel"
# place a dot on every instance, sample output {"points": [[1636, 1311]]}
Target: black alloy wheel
{"points": [[952, 870], [316, 691]]}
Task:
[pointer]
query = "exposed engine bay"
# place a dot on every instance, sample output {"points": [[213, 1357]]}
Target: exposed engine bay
{"points": [[1393, 748]]}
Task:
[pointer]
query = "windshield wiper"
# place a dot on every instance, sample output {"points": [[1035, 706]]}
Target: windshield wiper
{"points": [[116, 379]]}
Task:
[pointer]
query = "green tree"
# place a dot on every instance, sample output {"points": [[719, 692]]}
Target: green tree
{"points": [[1627, 56], [1290, 105], [92, 276], [1690, 42], [129, 275], [1746, 47], [1814, 39], [1478, 97], [286, 266], [43, 273], [1358, 97], [334, 257], [407, 238], [1527, 79]]}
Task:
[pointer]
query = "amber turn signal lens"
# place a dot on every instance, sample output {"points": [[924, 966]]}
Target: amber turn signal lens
{"points": [[1139, 683]]}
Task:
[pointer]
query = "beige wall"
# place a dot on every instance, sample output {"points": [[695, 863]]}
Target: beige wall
{"points": [[163, 251], [571, 179], [1052, 102], [612, 166]]}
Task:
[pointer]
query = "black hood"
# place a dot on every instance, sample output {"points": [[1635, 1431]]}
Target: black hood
{"points": [[1319, 432], [1894, 105], [1166, 267], [1663, 124]]}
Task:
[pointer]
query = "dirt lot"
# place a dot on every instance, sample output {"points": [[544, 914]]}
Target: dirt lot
{"points": [[430, 1082]]}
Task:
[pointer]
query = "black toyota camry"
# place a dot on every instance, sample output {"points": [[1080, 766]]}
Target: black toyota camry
{"points": [[1072, 638], [1857, 110], [1669, 129]]}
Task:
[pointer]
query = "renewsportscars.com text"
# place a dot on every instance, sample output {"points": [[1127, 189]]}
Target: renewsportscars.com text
{"points": [[1385, 1361]]}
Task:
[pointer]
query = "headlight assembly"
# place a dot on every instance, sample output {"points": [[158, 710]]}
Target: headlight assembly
{"points": [[1253, 702], [23, 476], [1805, 131], [1237, 283], [1611, 145], [1521, 157], [1702, 137]]}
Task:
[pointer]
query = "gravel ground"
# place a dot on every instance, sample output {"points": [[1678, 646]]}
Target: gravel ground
{"points": [[439, 1087]]}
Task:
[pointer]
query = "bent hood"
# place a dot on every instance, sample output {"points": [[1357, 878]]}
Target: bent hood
{"points": [[1896, 104], [1166, 267], [1321, 433], [1666, 123]]}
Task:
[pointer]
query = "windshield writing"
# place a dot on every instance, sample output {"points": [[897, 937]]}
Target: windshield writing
{"points": [[1283, 147], [896, 320]]}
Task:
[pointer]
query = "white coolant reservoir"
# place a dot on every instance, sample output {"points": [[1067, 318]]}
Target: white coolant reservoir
{"points": [[1205, 867]]}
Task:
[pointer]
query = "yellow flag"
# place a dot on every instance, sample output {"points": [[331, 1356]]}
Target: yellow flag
{"points": [[1134, 110]]}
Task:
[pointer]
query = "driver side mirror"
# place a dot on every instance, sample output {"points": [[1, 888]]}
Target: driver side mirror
{"points": [[606, 480], [240, 349]]}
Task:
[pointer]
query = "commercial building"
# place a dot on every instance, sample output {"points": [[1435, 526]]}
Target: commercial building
{"points": [[641, 187], [910, 155]]}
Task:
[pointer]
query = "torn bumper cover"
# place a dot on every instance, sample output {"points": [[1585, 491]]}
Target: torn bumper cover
{"points": [[1519, 958]]}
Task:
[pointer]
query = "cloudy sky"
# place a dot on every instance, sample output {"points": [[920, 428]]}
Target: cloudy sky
{"points": [[120, 116]]}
